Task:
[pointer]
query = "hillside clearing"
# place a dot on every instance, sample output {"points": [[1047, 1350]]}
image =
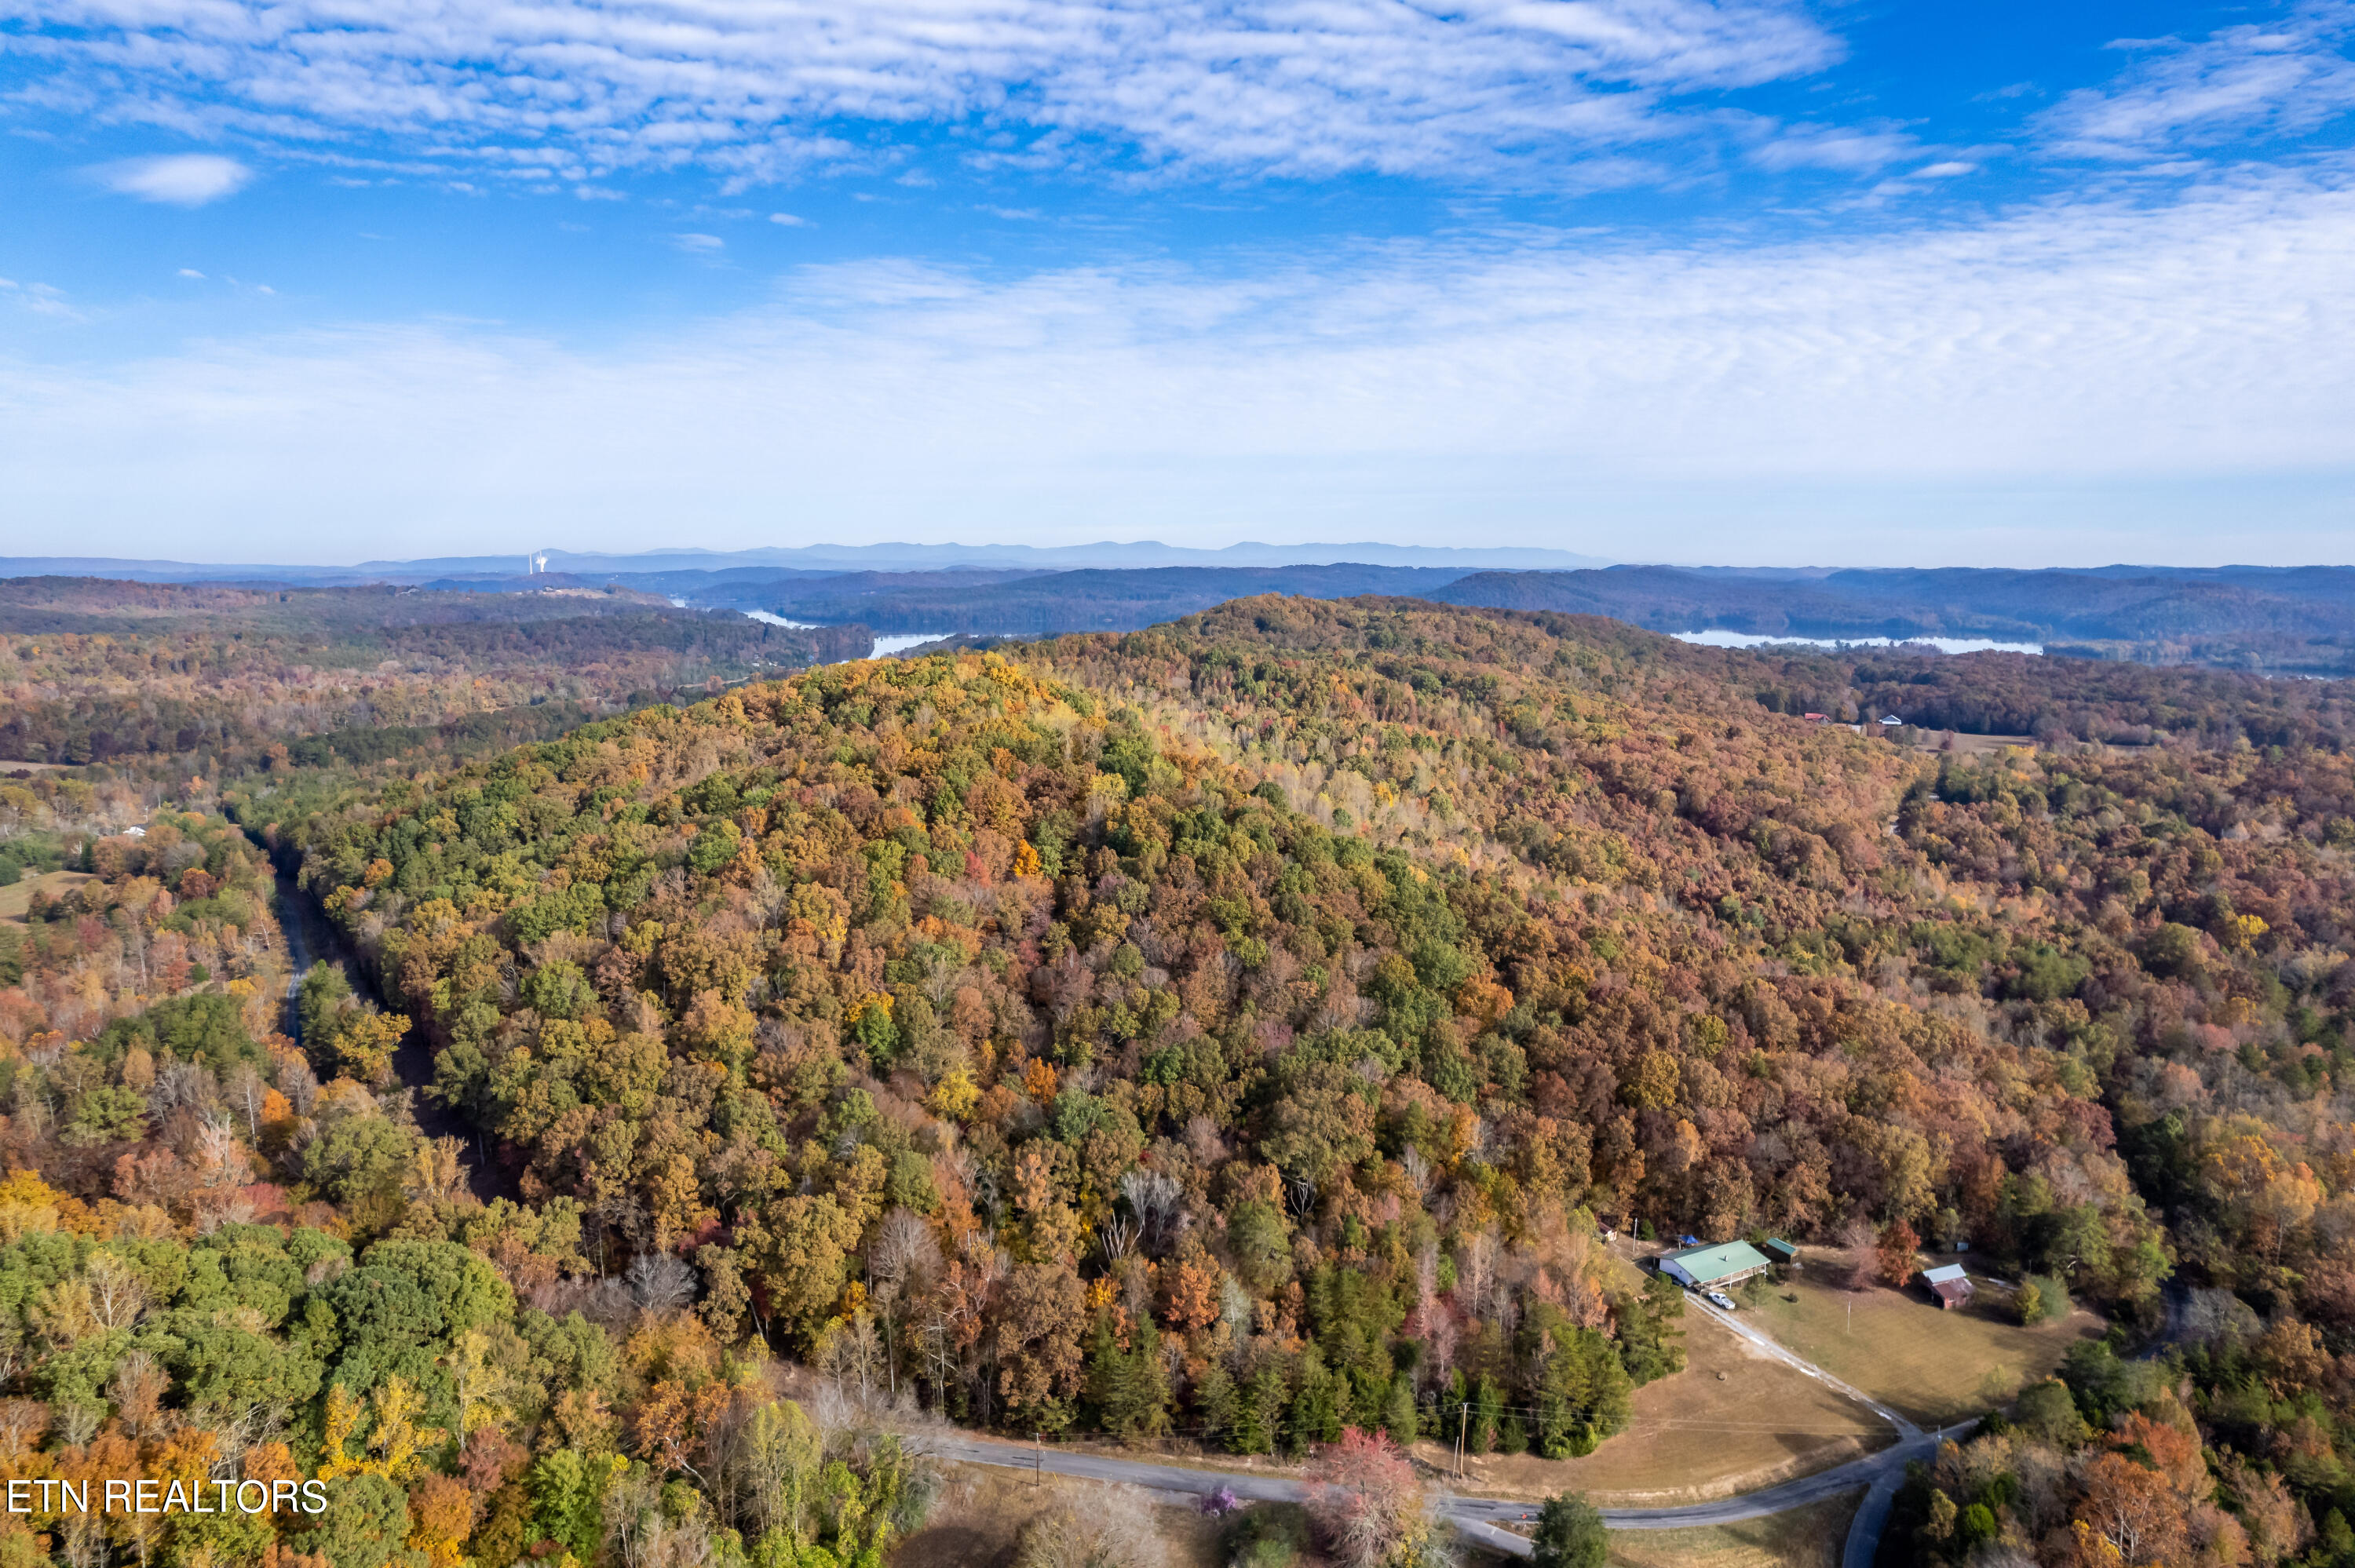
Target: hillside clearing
{"points": [[1934, 1367], [1734, 1420], [18, 896]]}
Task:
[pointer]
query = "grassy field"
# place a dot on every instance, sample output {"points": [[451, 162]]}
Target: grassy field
{"points": [[18, 896], [1733, 1420], [1935, 1368], [1809, 1536]]}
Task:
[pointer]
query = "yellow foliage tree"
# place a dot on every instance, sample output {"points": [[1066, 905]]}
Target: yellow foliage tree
{"points": [[395, 1439]]}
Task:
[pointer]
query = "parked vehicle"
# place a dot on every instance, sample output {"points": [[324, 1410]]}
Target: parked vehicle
{"points": [[1720, 1298]]}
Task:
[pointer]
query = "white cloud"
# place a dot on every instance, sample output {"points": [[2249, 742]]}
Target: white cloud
{"points": [[40, 299], [2278, 79], [190, 272], [1844, 150], [788, 219], [565, 88], [1467, 387], [1945, 170], [183, 179], [699, 244]]}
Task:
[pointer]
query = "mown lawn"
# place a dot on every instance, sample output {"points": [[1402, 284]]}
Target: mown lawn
{"points": [[1935, 1368], [1810, 1537], [18, 896], [1735, 1419]]}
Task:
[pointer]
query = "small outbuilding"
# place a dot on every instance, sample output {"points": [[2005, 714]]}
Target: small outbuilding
{"points": [[1779, 1251], [1713, 1268], [1950, 1285]]}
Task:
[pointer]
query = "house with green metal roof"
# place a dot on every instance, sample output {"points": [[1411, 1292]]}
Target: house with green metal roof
{"points": [[1713, 1268]]}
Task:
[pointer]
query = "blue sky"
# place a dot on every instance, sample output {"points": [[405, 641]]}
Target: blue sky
{"points": [[1721, 280]]}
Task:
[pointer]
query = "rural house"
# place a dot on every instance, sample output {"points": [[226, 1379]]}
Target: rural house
{"points": [[1712, 1268]]}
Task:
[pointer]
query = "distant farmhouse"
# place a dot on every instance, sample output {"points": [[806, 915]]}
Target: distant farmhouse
{"points": [[1950, 1285], [1713, 1268]]}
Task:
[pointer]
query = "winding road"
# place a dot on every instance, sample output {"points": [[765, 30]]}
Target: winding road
{"points": [[1480, 1519]]}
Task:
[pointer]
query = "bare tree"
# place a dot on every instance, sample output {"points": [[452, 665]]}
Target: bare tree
{"points": [[1115, 1530], [298, 1083], [1417, 1171], [658, 1281], [1154, 1197], [1118, 1235], [904, 1256], [248, 1093], [118, 1294], [22, 1422], [1301, 1196], [854, 1355], [1476, 1272], [1863, 1243]]}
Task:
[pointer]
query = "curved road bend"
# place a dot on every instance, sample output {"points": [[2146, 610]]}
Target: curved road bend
{"points": [[1479, 1519]]}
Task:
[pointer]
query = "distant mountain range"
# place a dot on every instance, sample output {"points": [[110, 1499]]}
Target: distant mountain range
{"points": [[2284, 619], [1029, 604], [820, 560]]}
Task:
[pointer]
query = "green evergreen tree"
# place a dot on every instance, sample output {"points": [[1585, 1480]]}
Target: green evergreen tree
{"points": [[1216, 1405], [1315, 1415], [1258, 1419], [1129, 1388], [1570, 1534], [1487, 1415], [1649, 1347], [1400, 1417]]}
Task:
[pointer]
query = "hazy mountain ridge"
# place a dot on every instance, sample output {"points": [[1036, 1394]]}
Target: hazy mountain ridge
{"points": [[2294, 621]]}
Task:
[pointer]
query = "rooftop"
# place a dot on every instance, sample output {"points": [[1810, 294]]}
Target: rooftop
{"points": [[1703, 1263], [1953, 1271]]}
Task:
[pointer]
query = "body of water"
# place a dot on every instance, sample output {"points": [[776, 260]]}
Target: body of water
{"points": [[900, 642], [897, 642], [1943, 644]]}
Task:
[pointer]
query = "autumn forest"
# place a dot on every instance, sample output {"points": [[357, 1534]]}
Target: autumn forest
{"points": [[590, 1121]]}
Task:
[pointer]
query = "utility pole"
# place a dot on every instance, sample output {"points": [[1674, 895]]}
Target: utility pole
{"points": [[1461, 1426], [1038, 1467]]}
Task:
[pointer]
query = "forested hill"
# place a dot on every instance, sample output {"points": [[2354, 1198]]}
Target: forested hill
{"points": [[1232, 1032], [205, 681], [1289, 983]]}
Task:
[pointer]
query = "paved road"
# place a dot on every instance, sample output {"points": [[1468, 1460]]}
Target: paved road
{"points": [[1477, 1517], [292, 916]]}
